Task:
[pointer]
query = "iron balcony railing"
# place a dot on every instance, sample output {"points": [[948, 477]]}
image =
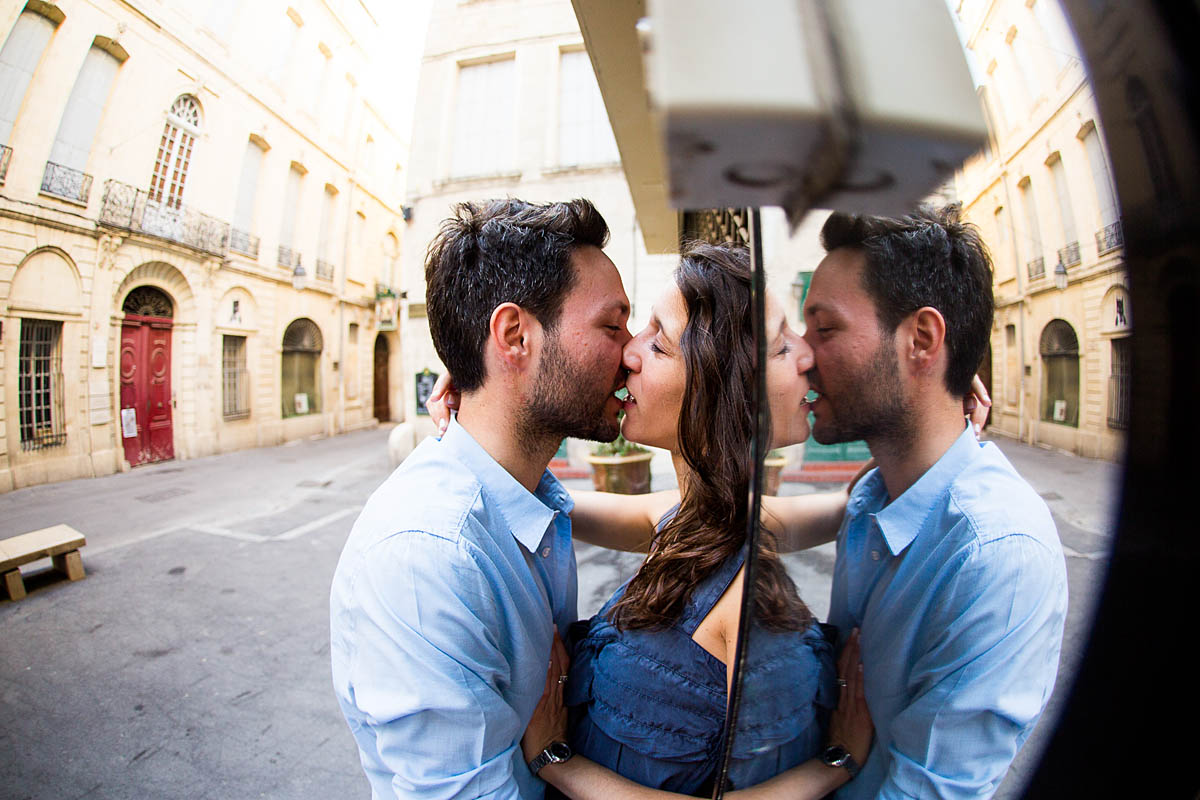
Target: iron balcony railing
{"points": [[1069, 255], [243, 242], [1118, 401], [1037, 268], [324, 270], [69, 184], [288, 257], [5, 157], [1109, 238], [128, 207]]}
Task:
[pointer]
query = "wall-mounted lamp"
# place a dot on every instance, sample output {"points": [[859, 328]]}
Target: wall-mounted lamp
{"points": [[298, 277], [1060, 275]]}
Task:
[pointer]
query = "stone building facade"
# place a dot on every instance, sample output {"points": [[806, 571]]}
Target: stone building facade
{"points": [[1042, 193], [200, 222], [507, 105]]}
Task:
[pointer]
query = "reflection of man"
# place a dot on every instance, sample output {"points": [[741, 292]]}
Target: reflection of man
{"points": [[447, 593], [947, 560]]}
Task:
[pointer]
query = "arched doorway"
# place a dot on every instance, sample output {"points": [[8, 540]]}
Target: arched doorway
{"points": [[383, 411], [146, 419]]}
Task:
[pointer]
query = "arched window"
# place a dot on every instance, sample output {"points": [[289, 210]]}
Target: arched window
{"points": [[1060, 373], [175, 151], [300, 382], [147, 301]]}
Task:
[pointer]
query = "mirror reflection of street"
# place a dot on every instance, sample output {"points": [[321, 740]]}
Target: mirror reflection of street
{"points": [[208, 604]]}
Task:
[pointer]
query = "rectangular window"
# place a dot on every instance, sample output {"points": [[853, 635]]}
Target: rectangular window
{"points": [[485, 119], [1066, 214], [324, 231], [1106, 198], [1119, 383], [1032, 241], [235, 379], [291, 206], [84, 108], [40, 385], [242, 237], [1002, 260], [1012, 369], [352, 362], [22, 51], [584, 133]]}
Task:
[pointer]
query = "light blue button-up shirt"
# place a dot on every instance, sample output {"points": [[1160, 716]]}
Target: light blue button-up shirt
{"points": [[959, 587], [442, 613]]}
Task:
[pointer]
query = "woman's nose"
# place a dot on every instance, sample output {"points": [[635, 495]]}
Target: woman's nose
{"points": [[630, 357], [804, 357]]}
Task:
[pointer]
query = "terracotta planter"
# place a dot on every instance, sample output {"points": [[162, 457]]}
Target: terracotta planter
{"points": [[774, 474], [627, 474]]}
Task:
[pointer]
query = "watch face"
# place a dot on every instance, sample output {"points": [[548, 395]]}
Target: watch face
{"points": [[560, 751], [835, 756]]}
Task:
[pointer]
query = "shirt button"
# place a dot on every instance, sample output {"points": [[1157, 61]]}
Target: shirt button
{"points": [[545, 552], [874, 555]]}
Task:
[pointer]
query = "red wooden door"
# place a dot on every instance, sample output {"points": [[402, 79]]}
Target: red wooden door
{"points": [[383, 411], [146, 389]]}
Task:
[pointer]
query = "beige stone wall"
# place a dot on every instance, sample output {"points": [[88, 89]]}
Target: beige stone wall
{"points": [[534, 33], [244, 89], [1038, 109]]}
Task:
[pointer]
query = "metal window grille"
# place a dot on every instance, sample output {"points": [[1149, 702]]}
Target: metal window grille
{"points": [[1036, 268], [40, 385], [5, 157], [1070, 255], [1109, 238], [69, 184], [235, 378], [243, 242], [1119, 384]]}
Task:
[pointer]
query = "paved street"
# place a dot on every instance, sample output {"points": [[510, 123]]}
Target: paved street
{"points": [[193, 661]]}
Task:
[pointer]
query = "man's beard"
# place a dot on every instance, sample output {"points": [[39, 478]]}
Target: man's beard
{"points": [[873, 409], [566, 401]]}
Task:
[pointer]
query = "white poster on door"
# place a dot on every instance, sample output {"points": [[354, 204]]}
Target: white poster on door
{"points": [[129, 423]]}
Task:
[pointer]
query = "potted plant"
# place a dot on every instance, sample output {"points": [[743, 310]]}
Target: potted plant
{"points": [[773, 464], [620, 466]]}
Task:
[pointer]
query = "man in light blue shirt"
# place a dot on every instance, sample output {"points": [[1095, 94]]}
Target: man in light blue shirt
{"points": [[947, 560], [460, 567]]}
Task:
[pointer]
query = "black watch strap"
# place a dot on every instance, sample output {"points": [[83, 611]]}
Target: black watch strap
{"points": [[555, 753]]}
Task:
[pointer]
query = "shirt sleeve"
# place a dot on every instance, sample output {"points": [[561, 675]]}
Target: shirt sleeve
{"points": [[985, 673], [427, 670]]}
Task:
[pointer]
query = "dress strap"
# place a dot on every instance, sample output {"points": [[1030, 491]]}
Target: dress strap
{"points": [[706, 595]]}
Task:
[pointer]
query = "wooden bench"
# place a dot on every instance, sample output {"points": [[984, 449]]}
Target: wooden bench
{"points": [[59, 543]]}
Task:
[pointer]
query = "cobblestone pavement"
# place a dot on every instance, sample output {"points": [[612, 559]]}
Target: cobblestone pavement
{"points": [[193, 661]]}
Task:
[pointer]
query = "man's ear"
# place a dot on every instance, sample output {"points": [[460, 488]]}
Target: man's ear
{"points": [[511, 333], [925, 330]]}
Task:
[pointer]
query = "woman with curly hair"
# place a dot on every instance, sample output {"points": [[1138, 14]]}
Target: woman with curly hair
{"points": [[650, 674]]}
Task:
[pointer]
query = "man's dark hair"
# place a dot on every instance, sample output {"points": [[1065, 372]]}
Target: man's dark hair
{"points": [[930, 258], [501, 251]]}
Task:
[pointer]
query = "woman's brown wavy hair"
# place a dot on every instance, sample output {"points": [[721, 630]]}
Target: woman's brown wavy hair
{"points": [[715, 431]]}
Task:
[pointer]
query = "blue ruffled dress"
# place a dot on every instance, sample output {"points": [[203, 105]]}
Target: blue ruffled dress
{"points": [[650, 704]]}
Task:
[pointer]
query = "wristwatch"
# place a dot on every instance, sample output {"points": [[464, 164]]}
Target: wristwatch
{"points": [[555, 753], [837, 756]]}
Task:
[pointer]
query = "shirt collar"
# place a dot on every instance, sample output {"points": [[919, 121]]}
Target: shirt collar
{"points": [[904, 517], [526, 514]]}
